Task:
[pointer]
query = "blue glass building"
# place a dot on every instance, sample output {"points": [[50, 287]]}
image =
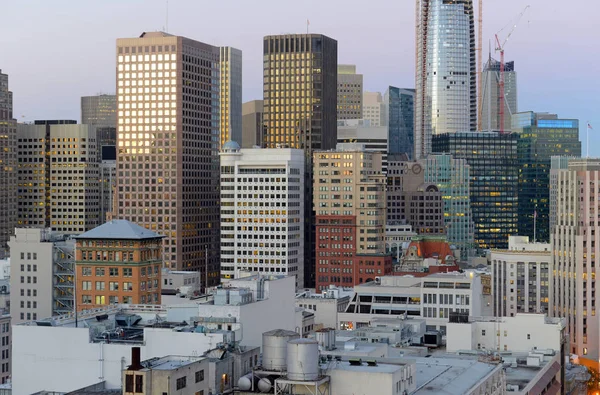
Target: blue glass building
{"points": [[401, 113]]}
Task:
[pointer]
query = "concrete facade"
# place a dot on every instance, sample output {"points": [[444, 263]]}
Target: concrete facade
{"points": [[373, 138], [168, 172], [56, 198], [256, 235], [349, 92], [325, 305], [252, 124], [374, 109], [520, 277], [41, 274]]}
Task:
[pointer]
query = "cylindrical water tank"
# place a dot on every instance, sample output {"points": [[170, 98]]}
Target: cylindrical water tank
{"points": [[245, 383], [275, 348], [303, 360], [266, 383]]}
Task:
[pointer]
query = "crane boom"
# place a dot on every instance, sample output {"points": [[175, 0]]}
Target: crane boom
{"points": [[500, 48]]}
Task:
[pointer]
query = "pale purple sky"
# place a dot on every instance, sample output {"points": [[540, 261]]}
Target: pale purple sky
{"points": [[57, 51]]}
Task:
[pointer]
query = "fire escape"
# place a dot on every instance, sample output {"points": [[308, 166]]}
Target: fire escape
{"points": [[63, 279]]}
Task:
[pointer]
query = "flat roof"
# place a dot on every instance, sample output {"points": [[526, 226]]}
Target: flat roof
{"points": [[170, 362], [449, 376], [364, 367]]}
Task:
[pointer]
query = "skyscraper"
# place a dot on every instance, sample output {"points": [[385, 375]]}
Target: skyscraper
{"points": [[168, 141], [490, 106], [107, 181], [349, 198], [541, 136], [446, 77], [575, 248], [494, 173], [101, 112], [230, 64], [262, 211], [349, 92], [300, 107], [401, 123], [452, 177], [8, 161], [252, 124], [57, 176]]}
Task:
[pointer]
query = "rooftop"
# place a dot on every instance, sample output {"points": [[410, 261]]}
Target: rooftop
{"points": [[365, 366], [169, 362], [119, 229]]}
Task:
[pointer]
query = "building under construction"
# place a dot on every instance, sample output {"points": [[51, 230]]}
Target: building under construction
{"points": [[491, 96]]}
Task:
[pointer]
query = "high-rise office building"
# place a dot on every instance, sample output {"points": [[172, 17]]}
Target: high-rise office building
{"points": [[42, 274], [452, 177], [252, 124], [401, 113], [168, 142], [300, 108], [230, 78], [575, 248], [118, 262], [262, 211], [374, 109], [494, 172], [411, 200], [107, 181], [374, 138], [350, 200], [57, 176], [101, 112], [541, 136], [490, 95], [8, 161], [446, 76], [349, 92]]}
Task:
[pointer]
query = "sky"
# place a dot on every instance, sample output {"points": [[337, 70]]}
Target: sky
{"points": [[57, 51]]}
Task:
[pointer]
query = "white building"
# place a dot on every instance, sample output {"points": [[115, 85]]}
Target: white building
{"points": [[325, 305], [520, 277], [522, 332], [62, 156], [180, 282], [42, 274], [432, 298], [262, 211], [575, 241]]}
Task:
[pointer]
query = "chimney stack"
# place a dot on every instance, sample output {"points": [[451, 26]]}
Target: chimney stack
{"points": [[135, 359]]}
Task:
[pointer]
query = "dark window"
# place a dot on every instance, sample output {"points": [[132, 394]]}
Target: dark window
{"points": [[139, 384], [199, 376], [129, 383], [181, 383]]}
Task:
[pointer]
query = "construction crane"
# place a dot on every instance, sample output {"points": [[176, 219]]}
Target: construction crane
{"points": [[500, 48]]}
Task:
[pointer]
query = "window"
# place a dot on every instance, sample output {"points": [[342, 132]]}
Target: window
{"points": [[86, 271], [528, 336], [100, 285], [127, 286], [113, 299], [99, 271], [100, 299], [127, 272], [139, 384], [129, 383], [86, 299], [86, 285], [180, 383], [483, 332], [113, 271], [113, 286], [199, 376], [127, 299]]}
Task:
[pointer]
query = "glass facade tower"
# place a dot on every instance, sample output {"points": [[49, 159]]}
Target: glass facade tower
{"points": [[494, 173], [541, 136], [401, 122], [446, 77], [8, 158], [452, 178]]}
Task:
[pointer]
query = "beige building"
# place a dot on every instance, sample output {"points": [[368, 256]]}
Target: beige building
{"points": [[575, 242], [520, 277], [374, 109], [349, 92], [57, 176], [8, 156], [167, 153], [230, 77], [252, 124], [41, 274]]}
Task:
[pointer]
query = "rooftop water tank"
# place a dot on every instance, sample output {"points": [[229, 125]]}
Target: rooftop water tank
{"points": [[303, 360], [275, 348]]}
